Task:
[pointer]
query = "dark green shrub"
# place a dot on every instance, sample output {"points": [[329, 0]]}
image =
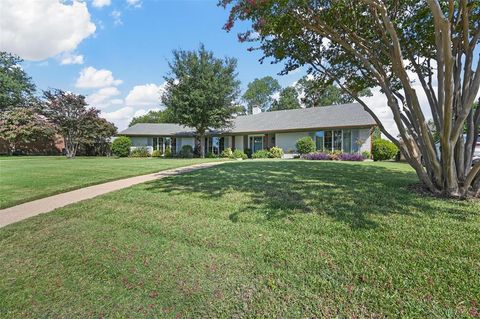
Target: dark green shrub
{"points": [[121, 146], [248, 152], [168, 151], [383, 150], [276, 152], [261, 154], [366, 155], [186, 152], [305, 145], [140, 152], [239, 154], [211, 155], [226, 153], [157, 153]]}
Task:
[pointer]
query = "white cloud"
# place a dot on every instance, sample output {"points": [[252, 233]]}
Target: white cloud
{"points": [[93, 78], [117, 17], [36, 30], [134, 3], [101, 3], [122, 117], [147, 95], [69, 58], [101, 98]]}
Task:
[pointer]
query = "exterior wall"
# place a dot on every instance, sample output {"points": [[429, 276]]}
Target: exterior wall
{"points": [[140, 141], [287, 141]]}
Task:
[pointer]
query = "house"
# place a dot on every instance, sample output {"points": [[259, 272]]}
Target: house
{"points": [[346, 128]]}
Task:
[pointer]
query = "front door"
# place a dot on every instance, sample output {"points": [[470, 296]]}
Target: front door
{"points": [[257, 144]]}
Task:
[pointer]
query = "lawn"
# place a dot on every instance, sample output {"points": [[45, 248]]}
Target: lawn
{"points": [[279, 239], [23, 179]]}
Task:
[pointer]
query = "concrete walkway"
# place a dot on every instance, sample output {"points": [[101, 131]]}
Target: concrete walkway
{"points": [[23, 211]]}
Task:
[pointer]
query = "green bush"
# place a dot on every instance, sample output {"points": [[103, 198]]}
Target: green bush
{"points": [[239, 154], [261, 154], [157, 153], [186, 152], [226, 153], [305, 145], [121, 146], [140, 152], [383, 150], [211, 155], [366, 155], [248, 151], [276, 152], [168, 151]]}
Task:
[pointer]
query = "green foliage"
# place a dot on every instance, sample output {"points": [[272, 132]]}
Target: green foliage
{"points": [[226, 153], [276, 152], [157, 153], [168, 151], [201, 90], [211, 155], [165, 116], [288, 100], [140, 152], [186, 151], [260, 92], [248, 151], [261, 154], [16, 87], [305, 145], [383, 150], [21, 126], [239, 154], [121, 146], [366, 154]]}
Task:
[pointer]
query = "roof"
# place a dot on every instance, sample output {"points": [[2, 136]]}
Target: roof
{"points": [[344, 115]]}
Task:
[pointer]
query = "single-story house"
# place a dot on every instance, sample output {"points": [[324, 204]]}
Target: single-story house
{"points": [[347, 128]]}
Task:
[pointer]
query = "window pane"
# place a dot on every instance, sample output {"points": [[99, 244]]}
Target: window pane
{"points": [[328, 141], [221, 143], [155, 145], [337, 140], [257, 143], [347, 141], [355, 136], [215, 145], [319, 137]]}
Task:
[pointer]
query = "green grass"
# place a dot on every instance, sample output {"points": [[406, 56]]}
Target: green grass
{"points": [[23, 179], [278, 239]]}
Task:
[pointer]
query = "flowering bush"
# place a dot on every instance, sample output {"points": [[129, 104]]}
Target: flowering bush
{"points": [[276, 152], [317, 156], [350, 157]]}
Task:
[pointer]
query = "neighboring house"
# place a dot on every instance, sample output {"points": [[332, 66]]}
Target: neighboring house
{"points": [[346, 128]]}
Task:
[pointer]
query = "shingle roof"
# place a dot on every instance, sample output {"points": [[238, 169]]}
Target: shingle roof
{"points": [[345, 115]]}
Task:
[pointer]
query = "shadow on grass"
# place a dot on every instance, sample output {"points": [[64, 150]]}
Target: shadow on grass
{"points": [[348, 192]]}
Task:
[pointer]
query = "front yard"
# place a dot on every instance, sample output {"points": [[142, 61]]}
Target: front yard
{"points": [[23, 179], [288, 239]]}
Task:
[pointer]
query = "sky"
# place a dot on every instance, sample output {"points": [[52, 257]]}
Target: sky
{"points": [[116, 52]]}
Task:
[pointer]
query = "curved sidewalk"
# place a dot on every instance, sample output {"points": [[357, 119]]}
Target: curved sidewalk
{"points": [[23, 211]]}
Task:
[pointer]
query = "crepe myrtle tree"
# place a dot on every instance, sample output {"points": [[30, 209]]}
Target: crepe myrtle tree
{"points": [[387, 44], [201, 91]]}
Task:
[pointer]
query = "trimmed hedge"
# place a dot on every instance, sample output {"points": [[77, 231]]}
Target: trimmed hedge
{"points": [[383, 150], [305, 145]]}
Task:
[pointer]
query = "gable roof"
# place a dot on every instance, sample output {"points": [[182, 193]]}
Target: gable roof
{"points": [[334, 116]]}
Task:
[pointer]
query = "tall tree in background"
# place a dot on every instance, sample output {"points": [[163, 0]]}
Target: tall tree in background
{"points": [[201, 91], [98, 132], [387, 44], [165, 116], [288, 100], [260, 93], [71, 116], [318, 92], [16, 87]]}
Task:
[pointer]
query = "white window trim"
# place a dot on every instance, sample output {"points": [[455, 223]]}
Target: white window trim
{"points": [[255, 135]]}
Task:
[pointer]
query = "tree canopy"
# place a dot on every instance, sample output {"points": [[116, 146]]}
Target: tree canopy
{"points": [[288, 100], [201, 90], [161, 116], [16, 87], [260, 93], [389, 44]]}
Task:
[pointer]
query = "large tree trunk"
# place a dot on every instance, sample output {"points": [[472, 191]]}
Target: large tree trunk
{"points": [[202, 144]]}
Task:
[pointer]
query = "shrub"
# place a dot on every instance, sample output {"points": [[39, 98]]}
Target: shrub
{"points": [[350, 157], [121, 146], [239, 154], [248, 152], [226, 153], [168, 151], [157, 153], [366, 155], [335, 155], [211, 155], [305, 145], [261, 154], [276, 152], [383, 150], [186, 151], [140, 152], [318, 156]]}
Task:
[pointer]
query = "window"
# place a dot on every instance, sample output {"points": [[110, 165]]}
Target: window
{"points": [[215, 145], [328, 142], [256, 143], [319, 138], [337, 140], [155, 143], [347, 141], [355, 140]]}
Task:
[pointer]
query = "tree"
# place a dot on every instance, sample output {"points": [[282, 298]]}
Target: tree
{"points": [[98, 132], [318, 92], [16, 87], [288, 100], [71, 116], [21, 126], [260, 92], [389, 44], [201, 91], [164, 116]]}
